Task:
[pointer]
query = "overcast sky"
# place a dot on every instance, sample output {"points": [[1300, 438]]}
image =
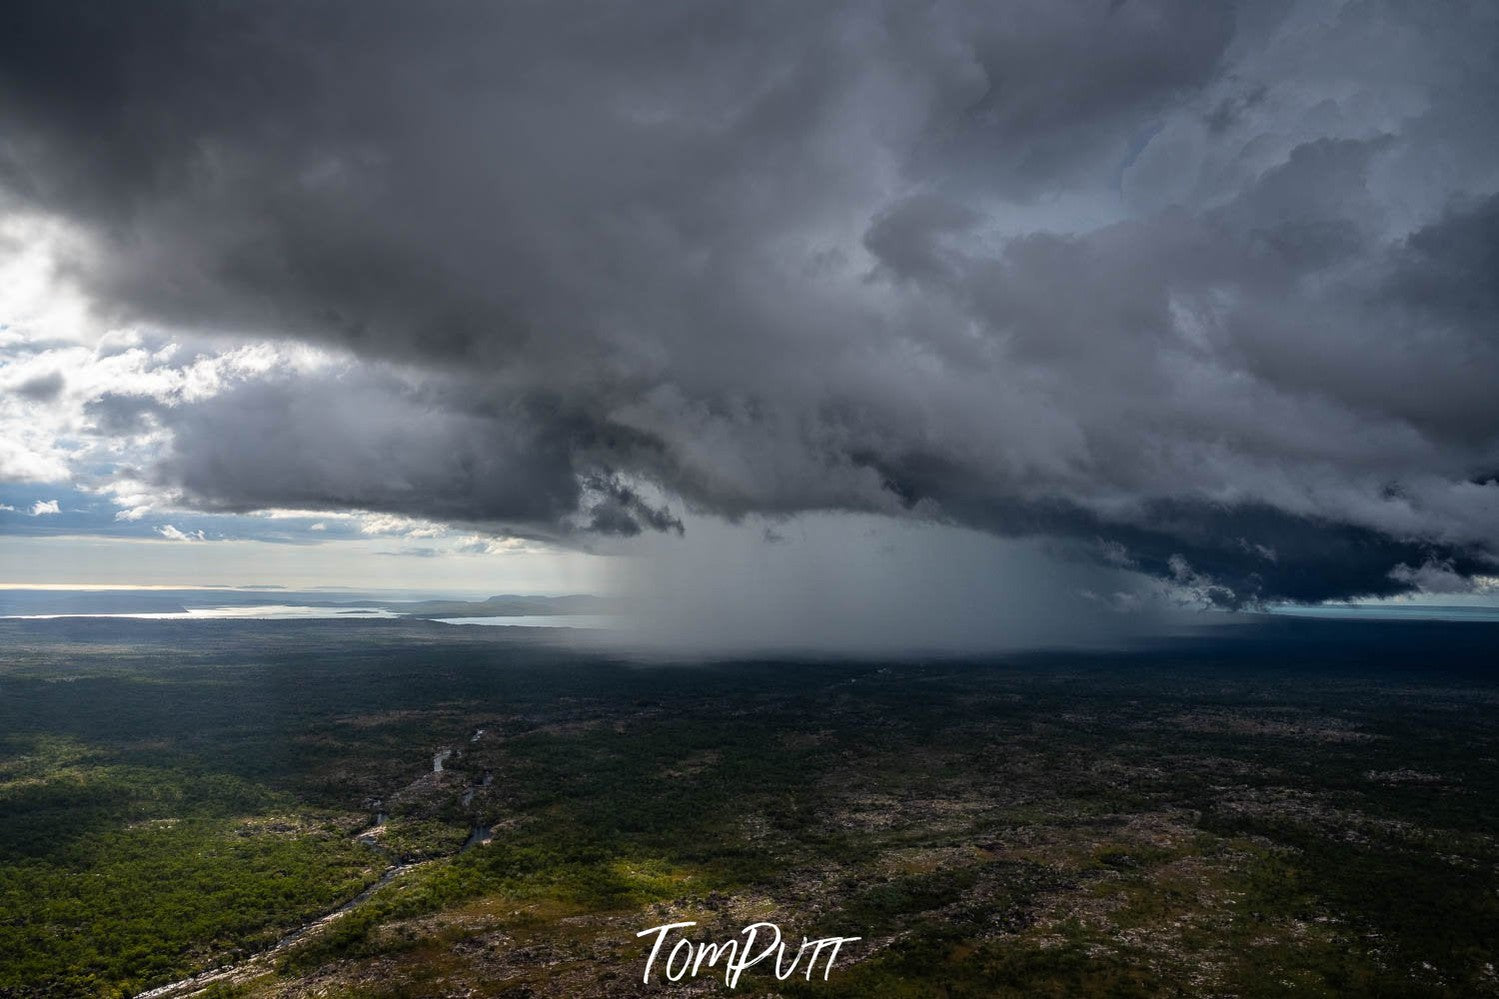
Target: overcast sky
{"points": [[1105, 304]]}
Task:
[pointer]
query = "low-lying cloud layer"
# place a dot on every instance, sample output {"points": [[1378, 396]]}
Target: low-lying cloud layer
{"points": [[1208, 291]]}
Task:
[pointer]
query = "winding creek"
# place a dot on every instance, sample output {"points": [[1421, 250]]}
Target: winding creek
{"points": [[260, 961], [479, 835]]}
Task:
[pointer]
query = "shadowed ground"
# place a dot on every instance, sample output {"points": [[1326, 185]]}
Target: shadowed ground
{"points": [[1282, 807]]}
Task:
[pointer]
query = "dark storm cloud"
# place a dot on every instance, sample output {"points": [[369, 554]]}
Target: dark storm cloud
{"points": [[382, 443], [118, 415], [42, 388], [1198, 281]]}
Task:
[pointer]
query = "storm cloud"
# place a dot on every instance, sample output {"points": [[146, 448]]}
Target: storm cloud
{"points": [[1207, 291]]}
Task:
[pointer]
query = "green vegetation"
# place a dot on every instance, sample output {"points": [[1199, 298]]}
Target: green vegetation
{"points": [[174, 798], [114, 874]]}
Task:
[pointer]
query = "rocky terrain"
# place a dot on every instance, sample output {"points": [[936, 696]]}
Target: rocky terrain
{"points": [[511, 814]]}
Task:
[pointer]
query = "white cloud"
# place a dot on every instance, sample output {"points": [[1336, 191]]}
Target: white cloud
{"points": [[43, 507], [105, 419], [23, 458], [1435, 576], [32, 301], [406, 527], [479, 544], [173, 534]]}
